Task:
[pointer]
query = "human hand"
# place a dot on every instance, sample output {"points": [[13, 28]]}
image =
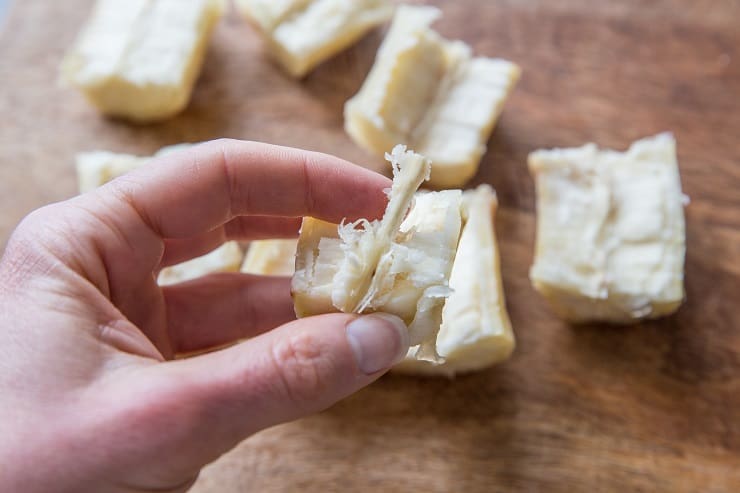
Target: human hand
{"points": [[90, 396]]}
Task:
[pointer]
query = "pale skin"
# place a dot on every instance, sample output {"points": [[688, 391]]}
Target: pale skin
{"points": [[91, 395]]}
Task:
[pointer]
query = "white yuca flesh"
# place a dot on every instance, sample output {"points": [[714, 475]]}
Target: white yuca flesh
{"points": [[400, 264], [367, 251], [268, 14], [270, 258], [226, 258], [303, 33], [316, 263], [611, 237], [430, 92], [96, 168], [139, 59], [476, 332]]}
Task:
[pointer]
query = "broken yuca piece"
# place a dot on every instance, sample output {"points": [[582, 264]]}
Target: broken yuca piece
{"points": [[99, 167], [400, 264], [270, 258], [139, 59], [610, 231], [476, 332], [430, 92], [303, 33]]}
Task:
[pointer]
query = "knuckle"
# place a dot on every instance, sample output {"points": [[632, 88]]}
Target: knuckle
{"points": [[304, 368], [34, 248], [35, 220], [32, 231]]}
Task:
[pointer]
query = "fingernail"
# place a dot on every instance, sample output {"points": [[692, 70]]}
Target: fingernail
{"points": [[378, 341]]}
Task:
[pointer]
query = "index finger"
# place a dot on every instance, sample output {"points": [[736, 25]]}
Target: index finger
{"points": [[196, 190]]}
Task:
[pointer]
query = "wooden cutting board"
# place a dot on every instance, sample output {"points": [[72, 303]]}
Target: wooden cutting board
{"points": [[654, 407]]}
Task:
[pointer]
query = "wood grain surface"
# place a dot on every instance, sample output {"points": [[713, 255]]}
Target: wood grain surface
{"points": [[654, 407]]}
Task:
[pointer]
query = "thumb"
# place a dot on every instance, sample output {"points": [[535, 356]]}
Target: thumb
{"points": [[297, 369]]}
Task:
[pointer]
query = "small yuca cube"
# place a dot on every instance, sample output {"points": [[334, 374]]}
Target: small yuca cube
{"points": [[431, 93], [271, 258], [303, 33], [400, 264], [99, 167], [476, 332], [139, 59], [611, 237]]}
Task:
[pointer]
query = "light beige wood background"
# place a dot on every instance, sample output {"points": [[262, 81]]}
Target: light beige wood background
{"points": [[655, 407]]}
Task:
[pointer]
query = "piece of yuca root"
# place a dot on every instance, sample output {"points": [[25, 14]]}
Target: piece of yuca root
{"points": [[400, 264], [139, 59], [433, 94], [476, 332], [303, 33], [270, 257], [611, 237]]}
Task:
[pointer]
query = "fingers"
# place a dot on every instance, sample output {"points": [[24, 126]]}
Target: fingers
{"points": [[187, 193], [177, 251], [120, 227], [262, 228], [224, 308], [240, 228], [295, 370]]}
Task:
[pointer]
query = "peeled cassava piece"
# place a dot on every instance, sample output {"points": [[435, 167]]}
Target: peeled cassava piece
{"points": [[400, 264], [476, 332], [611, 237], [139, 59], [303, 33], [96, 168], [431, 93], [270, 258]]}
